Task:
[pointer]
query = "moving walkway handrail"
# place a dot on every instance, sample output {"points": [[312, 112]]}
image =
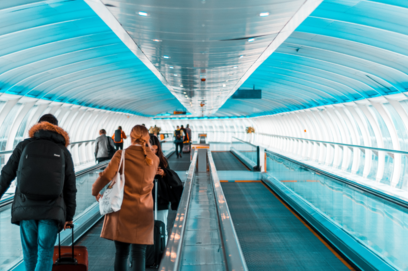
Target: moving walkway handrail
{"points": [[10, 200], [246, 142], [234, 257], [374, 149], [172, 254], [258, 162], [394, 199], [358, 186]]}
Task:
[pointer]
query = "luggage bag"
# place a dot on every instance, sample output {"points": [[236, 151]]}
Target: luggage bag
{"points": [[155, 252], [186, 148], [70, 258]]}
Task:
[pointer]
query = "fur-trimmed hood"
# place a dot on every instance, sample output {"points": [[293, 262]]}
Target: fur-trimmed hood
{"points": [[39, 130]]}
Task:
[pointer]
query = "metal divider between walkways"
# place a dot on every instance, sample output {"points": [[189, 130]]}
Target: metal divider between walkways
{"points": [[171, 257], [234, 258]]}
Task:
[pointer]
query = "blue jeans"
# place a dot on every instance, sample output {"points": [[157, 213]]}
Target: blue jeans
{"points": [[37, 239]]}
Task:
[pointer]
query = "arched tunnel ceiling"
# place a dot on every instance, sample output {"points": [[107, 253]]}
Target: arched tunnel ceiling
{"points": [[346, 50], [62, 51]]}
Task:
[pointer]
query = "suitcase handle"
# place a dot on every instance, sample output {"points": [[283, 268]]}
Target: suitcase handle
{"points": [[65, 260]]}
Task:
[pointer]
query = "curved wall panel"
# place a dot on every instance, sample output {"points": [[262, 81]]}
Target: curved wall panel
{"points": [[62, 51], [380, 122], [344, 51], [18, 114]]}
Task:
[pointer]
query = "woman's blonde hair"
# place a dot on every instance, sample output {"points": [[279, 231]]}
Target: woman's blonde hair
{"points": [[137, 137]]}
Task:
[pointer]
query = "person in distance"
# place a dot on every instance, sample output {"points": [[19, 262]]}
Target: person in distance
{"points": [[45, 198], [178, 140], [133, 224], [118, 137], [104, 147]]}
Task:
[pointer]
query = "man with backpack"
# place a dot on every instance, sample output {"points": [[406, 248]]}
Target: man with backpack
{"points": [[178, 140], [104, 147], [45, 198], [118, 137]]}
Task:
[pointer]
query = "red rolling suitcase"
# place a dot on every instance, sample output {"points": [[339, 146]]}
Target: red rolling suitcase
{"points": [[70, 258]]}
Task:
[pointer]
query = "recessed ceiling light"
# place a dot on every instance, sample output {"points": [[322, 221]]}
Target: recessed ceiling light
{"points": [[181, 86], [241, 56], [235, 67], [171, 67], [156, 40], [175, 74], [224, 85], [142, 13], [251, 40], [166, 57], [264, 14]]}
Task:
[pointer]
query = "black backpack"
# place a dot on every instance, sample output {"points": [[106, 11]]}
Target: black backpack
{"points": [[118, 136], [111, 150], [41, 170], [178, 135], [174, 186]]}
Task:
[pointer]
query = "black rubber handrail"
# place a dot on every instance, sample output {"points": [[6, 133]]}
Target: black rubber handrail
{"points": [[363, 188], [10, 200]]}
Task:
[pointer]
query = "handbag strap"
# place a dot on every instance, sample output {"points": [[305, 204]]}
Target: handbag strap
{"points": [[122, 162]]}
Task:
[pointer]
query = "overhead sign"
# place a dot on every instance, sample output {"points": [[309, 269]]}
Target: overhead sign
{"points": [[247, 94]]}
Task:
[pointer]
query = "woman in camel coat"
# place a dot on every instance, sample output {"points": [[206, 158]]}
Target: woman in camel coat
{"points": [[133, 224]]}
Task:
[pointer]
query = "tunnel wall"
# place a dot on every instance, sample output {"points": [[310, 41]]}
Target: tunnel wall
{"points": [[380, 122], [18, 114]]}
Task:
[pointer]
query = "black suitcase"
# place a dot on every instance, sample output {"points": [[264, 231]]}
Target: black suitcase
{"points": [[155, 252]]}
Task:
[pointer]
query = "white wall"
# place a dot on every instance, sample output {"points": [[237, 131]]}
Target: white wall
{"points": [[18, 114]]}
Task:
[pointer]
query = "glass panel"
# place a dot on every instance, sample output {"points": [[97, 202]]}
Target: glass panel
{"points": [[389, 162], [10, 246], [353, 211], [246, 149], [6, 126], [20, 132]]}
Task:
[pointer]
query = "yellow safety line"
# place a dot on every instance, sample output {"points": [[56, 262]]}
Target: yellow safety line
{"points": [[307, 226]]}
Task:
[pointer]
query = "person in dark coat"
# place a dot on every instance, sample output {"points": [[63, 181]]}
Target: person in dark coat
{"points": [[163, 198], [41, 220]]}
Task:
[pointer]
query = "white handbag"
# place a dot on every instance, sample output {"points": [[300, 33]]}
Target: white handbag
{"points": [[112, 198]]}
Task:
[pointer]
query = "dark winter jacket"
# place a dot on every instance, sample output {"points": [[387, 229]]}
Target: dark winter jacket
{"points": [[163, 199], [169, 190], [61, 209]]}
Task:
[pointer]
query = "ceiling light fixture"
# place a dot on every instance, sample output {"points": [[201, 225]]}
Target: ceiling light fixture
{"points": [[166, 57], [241, 56], [156, 40], [264, 14], [224, 85], [175, 74], [181, 86], [171, 67], [235, 67], [251, 39], [142, 13]]}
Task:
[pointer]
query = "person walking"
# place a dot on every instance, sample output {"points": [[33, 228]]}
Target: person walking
{"points": [[118, 137], [184, 133], [178, 140], [162, 199], [188, 133], [45, 198], [104, 147], [133, 225]]}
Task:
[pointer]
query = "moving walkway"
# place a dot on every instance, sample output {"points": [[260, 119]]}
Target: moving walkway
{"points": [[292, 217]]}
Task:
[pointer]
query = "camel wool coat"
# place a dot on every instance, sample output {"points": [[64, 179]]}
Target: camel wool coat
{"points": [[134, 222]]}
